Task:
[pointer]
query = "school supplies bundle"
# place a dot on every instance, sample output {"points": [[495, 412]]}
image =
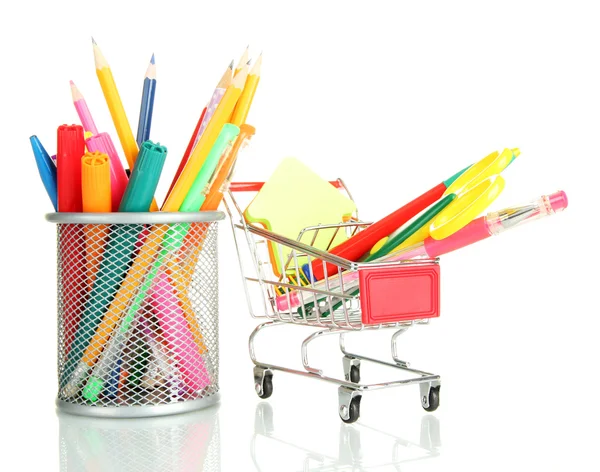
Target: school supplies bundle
{"points": [[441, 220], [327, 269], [137, 286]]}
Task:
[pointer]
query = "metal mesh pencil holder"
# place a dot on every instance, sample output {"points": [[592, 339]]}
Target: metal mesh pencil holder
{"points": [[137, 312]]}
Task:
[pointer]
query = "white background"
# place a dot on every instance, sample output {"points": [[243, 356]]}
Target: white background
{"points": [[393, 97]]}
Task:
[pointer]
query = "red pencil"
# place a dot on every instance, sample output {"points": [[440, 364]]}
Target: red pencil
{"points": [[188, 151]]}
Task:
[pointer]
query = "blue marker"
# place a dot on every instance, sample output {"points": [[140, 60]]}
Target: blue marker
{"points": [[46, 168]]}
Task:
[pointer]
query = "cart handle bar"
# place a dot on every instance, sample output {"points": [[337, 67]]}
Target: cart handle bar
{"points": [[256, 186]]}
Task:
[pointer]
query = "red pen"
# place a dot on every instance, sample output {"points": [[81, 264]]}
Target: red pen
{"points": [[70, 150]]}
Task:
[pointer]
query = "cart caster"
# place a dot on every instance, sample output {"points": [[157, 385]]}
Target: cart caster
{"points": [[430, 396], [349, 401], [351, 369], [263, 382]]}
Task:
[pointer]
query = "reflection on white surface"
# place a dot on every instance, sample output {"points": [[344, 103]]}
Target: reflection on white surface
{"points": [[359, 447], [182, 443]]}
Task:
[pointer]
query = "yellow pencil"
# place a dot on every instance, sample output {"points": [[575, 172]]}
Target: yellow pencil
{"points": [[243, 105], [115, 106], [205, 144], [117, 112], [242, 62]]}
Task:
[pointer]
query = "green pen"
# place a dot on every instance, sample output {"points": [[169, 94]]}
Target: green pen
{"points": [[115, 264], [172, 241]]}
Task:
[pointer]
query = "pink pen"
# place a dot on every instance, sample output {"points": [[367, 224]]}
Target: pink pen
{"points": [[493, 223], [481, 228], [177, 334], [82, 110], [118, 178]]}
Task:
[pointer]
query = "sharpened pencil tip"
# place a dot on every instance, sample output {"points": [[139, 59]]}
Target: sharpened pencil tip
{"points": [[72, 83], [231, 65], [94, 42], [152, 59]]}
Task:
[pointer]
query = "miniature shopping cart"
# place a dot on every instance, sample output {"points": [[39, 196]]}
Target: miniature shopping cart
{"points": [[358, 297]]}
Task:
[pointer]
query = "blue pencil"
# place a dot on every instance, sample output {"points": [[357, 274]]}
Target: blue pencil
{"points": [[147, 106]]}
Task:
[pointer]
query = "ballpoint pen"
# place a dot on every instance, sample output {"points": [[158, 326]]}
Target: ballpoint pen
{"points": [[493, 223], [163, 243]]}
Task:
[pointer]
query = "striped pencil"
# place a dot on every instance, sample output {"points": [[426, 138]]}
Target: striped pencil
{"points": [[205, 117], [215, 100]]}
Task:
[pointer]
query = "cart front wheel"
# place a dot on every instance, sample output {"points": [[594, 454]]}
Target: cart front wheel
{"points": [[434, 399], [264, 388], [353, 410]]}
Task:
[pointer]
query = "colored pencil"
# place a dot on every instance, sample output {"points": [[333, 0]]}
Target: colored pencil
{"points": [[243, 61], [205, 117], [147, 105], [117, 112], [82, 110], [115, 106], [188, 150], [245, 102], [206, 142], [216, 98]]}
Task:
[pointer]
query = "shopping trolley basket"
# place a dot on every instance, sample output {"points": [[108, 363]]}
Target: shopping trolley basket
{"points": [[359, 296]]}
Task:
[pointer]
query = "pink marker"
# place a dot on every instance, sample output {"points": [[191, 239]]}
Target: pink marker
{"points": [[82, 110], [481, 228], [101, 142], [177, 334]]}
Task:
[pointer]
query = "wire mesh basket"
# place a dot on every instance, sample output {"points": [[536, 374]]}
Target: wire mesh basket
{"points": [[137, 312]]}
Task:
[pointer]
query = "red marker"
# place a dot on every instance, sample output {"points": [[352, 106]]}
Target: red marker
{"points": [[70, 150]]}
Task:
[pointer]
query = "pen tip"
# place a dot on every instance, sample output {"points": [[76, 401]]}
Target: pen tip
{"points": [[152, 59], [94, 42]]}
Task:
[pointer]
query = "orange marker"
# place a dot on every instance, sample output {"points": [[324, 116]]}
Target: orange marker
{"points": [[96, 196]]}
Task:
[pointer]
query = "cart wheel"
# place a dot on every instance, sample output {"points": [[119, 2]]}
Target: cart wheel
{"points": [[353, 410], [354, 374], [267, 386], [434, 399]]}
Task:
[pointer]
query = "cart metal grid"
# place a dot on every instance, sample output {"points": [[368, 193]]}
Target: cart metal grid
{"points": [[342, 303]]}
